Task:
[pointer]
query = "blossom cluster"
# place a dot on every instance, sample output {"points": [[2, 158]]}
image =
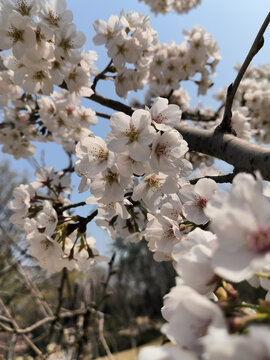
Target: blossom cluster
{"points": [[198, 54], [45, 47], [59, 118], [51, 232], [137, 168], [252, 94], [131, 40], [165, 6], [250, 108], [139, 175], [45, 50], [195, 308]]}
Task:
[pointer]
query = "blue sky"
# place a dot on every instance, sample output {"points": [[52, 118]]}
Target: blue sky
{"points": [[233, 23]]}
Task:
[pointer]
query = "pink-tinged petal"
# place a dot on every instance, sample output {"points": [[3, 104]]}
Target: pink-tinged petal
{"points": [[159, 105], [206, 188], [194, 213], [138, 152]]}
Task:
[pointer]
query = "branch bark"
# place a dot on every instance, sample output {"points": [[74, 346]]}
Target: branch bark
{"points": [[243, 155]]}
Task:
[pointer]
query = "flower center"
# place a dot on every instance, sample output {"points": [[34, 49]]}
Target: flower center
{"points": [[161, 149], [16, 34], [53, 18], [46, 244], [110, 178], [153, 182], [259, 240], [23, 8], [161, 118], [201, 202], [132, 134]]}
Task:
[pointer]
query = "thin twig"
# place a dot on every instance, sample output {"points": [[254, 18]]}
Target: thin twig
{"points": [[44, 321], [35, 291], [101, 76], [105, 116], [67, 207], [225, 125], [60, 301], [11, 350], [111, 271], [101, 335], [17, 329]]}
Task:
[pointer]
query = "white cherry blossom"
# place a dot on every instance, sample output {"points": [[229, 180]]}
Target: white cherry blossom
{"points": [[133, 133], [165, 353], [109, 186], [94, 156], [195, 198], [167, 152], [192, 260], [189, 315], [254, 345], [106, 32], [46, 250], [165, 115], [17, 34], [48, 218], [241, 222]]}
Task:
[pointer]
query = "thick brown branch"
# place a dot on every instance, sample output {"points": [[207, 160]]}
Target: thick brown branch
{"points": [[244, 156], [118, 106], [221, 179], [197, 116], [255, 47]]}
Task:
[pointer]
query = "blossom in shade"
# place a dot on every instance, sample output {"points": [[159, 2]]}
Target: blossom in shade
{"points": [[241, 221], [189, 315], [195, 198]]}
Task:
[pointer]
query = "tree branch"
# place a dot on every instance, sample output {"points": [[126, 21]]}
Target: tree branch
{"points": [[70, 206], [105, 116], [112, 104], [17, 329], [221, 179], [244, 156], [255, 47], [101, 75], [44, 321]]}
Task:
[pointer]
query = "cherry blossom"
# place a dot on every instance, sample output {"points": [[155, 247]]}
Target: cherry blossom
{"points": [[94, 156], [195, 199], [167, 152], [165, 115], [245, 211], [131, 133], [189, 315]]}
